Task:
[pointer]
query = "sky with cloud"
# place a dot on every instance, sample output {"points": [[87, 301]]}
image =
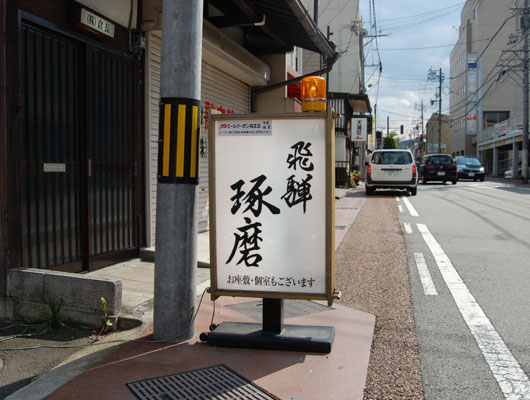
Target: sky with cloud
{"points": [[413, 37]]}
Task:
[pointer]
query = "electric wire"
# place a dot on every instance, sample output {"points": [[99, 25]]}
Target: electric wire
{"points": [[487, 45], [488, 78], [415, 21], [458, 5]]}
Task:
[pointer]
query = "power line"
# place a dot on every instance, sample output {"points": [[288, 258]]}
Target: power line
{"points": [[401, 115], [424, 14], [432, 47], [484, 83], [414, 24], [487, 44]]}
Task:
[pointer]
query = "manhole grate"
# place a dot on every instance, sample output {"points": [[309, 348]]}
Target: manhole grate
{"points": [[217, 382], [291, 309]]}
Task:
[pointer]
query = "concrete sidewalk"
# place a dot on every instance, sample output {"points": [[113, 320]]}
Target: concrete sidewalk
{"points": [[104, 373]]}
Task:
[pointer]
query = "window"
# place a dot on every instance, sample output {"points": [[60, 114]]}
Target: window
{"points": [[392, 157], [440, 160], [494, 117], [469, 161]]}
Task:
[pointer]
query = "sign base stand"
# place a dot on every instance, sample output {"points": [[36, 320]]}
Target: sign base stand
{"points": [[273, 334]]}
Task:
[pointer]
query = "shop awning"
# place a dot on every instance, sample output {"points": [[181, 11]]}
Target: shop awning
{"points": [[272, 26], [359, 103]]}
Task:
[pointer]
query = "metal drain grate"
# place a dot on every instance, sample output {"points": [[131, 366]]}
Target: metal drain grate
{"points": [[291, 308], [217, 382]]}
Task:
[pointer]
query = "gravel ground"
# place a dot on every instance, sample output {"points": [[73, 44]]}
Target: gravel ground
{"points": [[372, 273], [19, 368]]}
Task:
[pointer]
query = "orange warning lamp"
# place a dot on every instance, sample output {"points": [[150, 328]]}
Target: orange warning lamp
{"points": [[313, 94]]}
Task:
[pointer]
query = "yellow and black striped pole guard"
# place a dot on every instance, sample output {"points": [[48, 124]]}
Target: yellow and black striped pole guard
{"points": [[178, 153]]}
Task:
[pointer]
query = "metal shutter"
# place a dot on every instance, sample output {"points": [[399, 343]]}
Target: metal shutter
{"points": [[226, 94], [219, 91]]}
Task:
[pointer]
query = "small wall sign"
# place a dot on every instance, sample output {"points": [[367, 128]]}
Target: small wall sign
{"points": [[54, 167], [93, 23]]}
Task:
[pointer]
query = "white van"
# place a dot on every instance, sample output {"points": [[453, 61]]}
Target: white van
{"points": [[391, 169]]}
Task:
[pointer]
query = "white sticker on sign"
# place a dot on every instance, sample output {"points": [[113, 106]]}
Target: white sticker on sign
{"points": [[245, 128]]}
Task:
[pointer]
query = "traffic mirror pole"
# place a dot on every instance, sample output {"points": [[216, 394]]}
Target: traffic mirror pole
{"points": [[178, 172]]}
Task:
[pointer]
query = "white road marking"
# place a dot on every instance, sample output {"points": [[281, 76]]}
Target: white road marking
{"points": [[397, 198], [408, 228], [412, 210], [511, 378], [428, 285], [400, 208]]}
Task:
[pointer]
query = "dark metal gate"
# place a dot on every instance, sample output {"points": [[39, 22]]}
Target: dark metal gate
{"points": [[112, 166], [78, 163]]}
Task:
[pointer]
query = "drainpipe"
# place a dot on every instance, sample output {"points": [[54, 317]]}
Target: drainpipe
{"points": [[256, 92]]}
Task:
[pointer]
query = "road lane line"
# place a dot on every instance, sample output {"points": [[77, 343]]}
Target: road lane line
{"points": [[408, 228], [511, 378], [425, 277], [400, 208], [397, 198], [412, 210]]}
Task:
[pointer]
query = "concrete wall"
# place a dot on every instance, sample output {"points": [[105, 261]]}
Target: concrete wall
{"points": [[32, 291], [276, 101]]}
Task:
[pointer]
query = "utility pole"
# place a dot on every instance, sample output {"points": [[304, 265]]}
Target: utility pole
{"points": [[176, 206], [420, 131], [422, 137], [387, 126], [524, 164], [440, 112], [438, 76], [328, 36]]}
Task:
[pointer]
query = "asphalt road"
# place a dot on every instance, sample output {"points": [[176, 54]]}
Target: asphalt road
{"points": [[473, 334]]}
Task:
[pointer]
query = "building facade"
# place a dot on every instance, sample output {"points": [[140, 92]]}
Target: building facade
{"points": [[79, 116], [485, 84], [433, 137], [341, 21]]}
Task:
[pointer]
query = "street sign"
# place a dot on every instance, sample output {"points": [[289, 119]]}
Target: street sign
{"points": [[272, 206], [359, 127]]}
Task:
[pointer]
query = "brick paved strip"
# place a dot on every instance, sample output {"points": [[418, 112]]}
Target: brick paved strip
{"points": [[372, 273]]}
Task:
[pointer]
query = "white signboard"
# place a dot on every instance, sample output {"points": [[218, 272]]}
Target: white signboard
{"points": [[271, 198], [472, 95], [97, 23], [359, 129], [471, 123]]}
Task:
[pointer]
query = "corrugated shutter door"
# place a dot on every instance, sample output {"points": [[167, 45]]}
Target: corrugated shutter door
{"points": [[219, 91], [223, 93], [152, 92]]}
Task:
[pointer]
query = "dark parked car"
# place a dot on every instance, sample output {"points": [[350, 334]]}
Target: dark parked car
{"points": [[438, 167], [469, 168]]}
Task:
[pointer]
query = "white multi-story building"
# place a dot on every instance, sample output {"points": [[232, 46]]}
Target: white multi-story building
{"points": [[485, 84], [341, 22], [344, 20]]}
